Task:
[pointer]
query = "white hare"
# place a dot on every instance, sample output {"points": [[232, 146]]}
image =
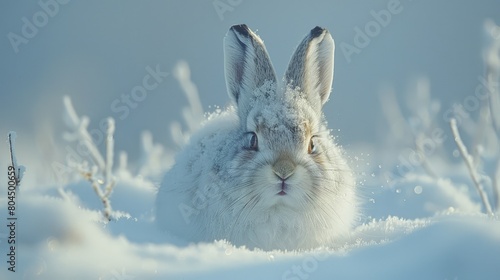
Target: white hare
{"points": [[265, 173]]}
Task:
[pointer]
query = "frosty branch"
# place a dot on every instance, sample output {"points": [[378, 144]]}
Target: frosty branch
{"points": [[492, 61], [419, 131], [488, 125], [99, 171], [470, 166], [478, 116], [18, 169], [193, 114]]}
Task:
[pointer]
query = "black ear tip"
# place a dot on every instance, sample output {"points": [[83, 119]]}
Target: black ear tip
{"points": [[241, 29], [317, 31]]}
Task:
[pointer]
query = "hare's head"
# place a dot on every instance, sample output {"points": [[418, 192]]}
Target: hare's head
{"points": [[287, 155]]}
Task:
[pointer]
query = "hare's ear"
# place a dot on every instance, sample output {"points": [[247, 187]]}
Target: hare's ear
{"points": [[311, 67], [246, 65]]}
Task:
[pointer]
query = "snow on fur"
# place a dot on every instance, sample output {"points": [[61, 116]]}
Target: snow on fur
{"points": [[219, 188]]}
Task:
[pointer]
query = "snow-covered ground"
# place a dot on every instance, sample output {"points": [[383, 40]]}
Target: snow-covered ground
{"points": [[61, 240], [422, 218]]}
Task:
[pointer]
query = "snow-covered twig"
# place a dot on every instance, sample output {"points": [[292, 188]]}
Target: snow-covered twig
{"points": [[122, 161], [110, 143], [154, 160], [392, 112], [415, 130], [470, 166], [484, 131], [492, 61], [480, 133], [99, 175], [419, 142], [80, 128], [193, 114], [18, 169], [496, 187]]}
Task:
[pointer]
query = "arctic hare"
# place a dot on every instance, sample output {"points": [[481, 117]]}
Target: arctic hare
{"points": [[265, 173]]}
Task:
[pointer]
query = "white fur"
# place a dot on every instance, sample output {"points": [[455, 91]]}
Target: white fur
{"points": [[221, 189]]}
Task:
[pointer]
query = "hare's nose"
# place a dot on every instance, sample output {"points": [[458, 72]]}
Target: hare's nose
{"points": [[284, 168]]}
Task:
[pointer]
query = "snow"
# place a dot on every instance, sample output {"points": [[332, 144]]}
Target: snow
{"points": [[421, 218]]}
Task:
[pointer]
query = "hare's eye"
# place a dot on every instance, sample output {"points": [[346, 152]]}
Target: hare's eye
{"points": [[252, 141], [312, 146]]}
